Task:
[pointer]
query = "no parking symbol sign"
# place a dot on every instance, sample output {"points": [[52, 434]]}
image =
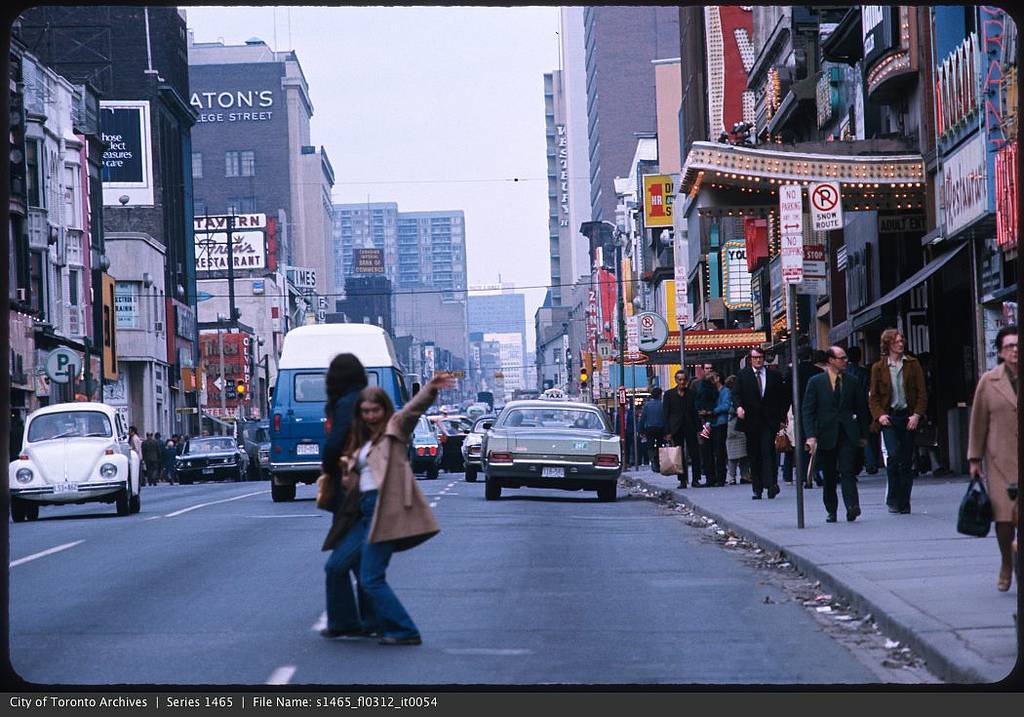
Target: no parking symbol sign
{"points": [[826, 207]]}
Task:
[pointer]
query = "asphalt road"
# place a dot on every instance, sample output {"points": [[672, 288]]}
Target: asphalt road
{"points": [[215, 584]]}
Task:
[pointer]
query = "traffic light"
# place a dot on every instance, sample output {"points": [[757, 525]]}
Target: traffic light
{"points": [[583, 378], [240, 388]]}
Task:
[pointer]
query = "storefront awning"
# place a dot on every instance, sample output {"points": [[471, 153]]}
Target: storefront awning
{"points": [[710, 345], [756, 168], [914, 280]]}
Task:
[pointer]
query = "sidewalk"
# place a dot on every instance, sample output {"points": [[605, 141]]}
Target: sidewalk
{"points": [[926, 585]]}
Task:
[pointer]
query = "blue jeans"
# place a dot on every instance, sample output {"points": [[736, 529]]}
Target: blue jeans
{"points": [[371, 561], [899, 465]]}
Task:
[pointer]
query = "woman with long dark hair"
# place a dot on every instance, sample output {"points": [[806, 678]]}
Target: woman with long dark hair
{"points": [[345, 378], [393, 514]]}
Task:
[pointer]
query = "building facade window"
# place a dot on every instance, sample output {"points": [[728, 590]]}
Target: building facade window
{"points": [[199, 207], [241, 205], [32, 176], [248, 163], [37, 282], [126, 302], [232, 164], [197, 165]]}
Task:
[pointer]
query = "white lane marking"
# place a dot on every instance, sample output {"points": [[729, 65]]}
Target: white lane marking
{"points": [[215, 502], [287, 515], [44, 553], [488, 651], [153, 517], [281, 676], [321, 622], [434, 504]]}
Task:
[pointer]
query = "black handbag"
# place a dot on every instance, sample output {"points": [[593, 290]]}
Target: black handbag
{"points": [[975, 516]]}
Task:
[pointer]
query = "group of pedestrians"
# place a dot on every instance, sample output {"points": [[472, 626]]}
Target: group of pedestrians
{"points": [[156, 456], [727, 429]]}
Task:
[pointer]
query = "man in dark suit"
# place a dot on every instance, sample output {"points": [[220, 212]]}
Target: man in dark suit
{"points": [[680, 413], [805, 368], [760, 400], [836, 420]]}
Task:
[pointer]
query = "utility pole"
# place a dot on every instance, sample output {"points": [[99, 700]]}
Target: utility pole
{"points": [[232, 318]]}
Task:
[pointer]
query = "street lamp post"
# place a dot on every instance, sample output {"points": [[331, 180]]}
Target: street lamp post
{"points": [[223, 385]]}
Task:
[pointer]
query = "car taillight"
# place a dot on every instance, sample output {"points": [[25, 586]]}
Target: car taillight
{"points": [[419, 450], [277, 423], [606, 459], [433, 450], [499, 457]]}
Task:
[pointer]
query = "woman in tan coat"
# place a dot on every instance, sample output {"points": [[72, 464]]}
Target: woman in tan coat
{"points": [[992, 444], [387, 509]]}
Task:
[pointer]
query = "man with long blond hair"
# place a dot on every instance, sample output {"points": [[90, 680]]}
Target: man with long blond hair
{"points": [[898, 400]]}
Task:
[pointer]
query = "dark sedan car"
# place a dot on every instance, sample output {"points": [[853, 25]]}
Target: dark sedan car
{"points": [[212, 458], [426, 451], [254, 437], [452, 431]]}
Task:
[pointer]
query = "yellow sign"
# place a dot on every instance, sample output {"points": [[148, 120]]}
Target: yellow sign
{"points": [[109, 340], [658, 196]]}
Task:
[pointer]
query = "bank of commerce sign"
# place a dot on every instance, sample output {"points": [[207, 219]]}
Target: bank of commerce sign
{"points": [[249, 241]]}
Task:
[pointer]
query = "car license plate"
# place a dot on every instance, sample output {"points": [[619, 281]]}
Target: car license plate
{"points": [[207, 471], [552, 472], [307, 449], [65, 487]]}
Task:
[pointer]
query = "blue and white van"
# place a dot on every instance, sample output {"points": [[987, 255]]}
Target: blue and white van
{"points": [[297, 419]]}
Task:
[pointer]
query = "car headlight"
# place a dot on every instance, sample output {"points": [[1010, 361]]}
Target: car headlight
{"points": [[108, 470], [24, 475]]}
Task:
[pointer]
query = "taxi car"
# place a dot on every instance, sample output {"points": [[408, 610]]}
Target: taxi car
{"points": [[74, 453], [551, 444], [211, 458]]}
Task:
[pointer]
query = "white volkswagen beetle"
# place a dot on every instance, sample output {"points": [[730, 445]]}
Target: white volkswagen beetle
{"points": [[74, 453]]}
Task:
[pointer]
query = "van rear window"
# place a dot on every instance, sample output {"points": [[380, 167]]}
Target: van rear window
{"points": [[310, 387]]}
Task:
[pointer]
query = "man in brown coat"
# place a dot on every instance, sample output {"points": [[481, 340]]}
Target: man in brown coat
{"points": [[992, 443], [898, 400]]}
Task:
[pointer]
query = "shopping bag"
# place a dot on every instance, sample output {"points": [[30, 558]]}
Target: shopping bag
{"points": [[975, 515], [325, 492], [670, 460]]}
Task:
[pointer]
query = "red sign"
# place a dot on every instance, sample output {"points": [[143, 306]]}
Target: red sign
{"points": [[1006, 197], [237, 365], [755, 233]]}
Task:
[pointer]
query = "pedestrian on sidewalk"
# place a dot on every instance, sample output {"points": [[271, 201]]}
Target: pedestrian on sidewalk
{"points": [[652, 425], [761, 408], [898, 399], [151, 455], [866, 457], [836, 421], [735, 444], [706, 391], [681, 425], [720, 428], [168, 453], [135, 443], [798, 460], [992, 444], [393, 513]]}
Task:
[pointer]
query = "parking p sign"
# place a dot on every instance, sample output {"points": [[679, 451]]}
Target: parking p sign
{"points": [[63, 365], [826, 208]]}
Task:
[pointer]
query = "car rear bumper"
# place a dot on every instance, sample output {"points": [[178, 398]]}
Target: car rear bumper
{"points": [[528, 475], [304, 472], [218, 473]]}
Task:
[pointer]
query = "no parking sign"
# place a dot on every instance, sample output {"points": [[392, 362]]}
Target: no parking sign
{"points": [[826, 208]]}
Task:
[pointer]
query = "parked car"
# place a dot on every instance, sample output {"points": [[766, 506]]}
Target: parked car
{"points": [[74, 453], [452, 432], [472, 444], [425, 451], [211, 458], [551, 444], [253, 436]]}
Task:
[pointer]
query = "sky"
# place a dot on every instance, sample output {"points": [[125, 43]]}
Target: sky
{"points": [[434, 108]]}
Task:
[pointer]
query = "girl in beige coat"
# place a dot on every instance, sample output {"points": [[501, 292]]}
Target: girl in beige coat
{"points": [[992, 444], [389, 512]]}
